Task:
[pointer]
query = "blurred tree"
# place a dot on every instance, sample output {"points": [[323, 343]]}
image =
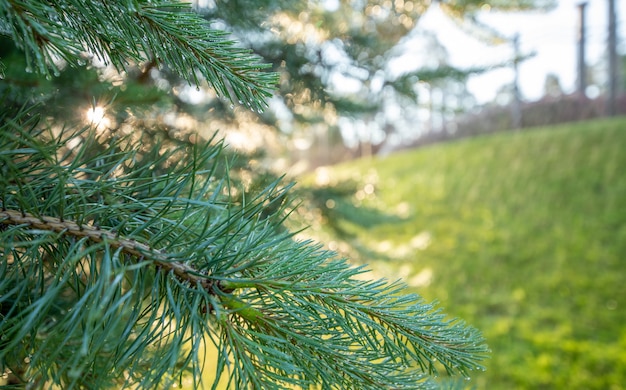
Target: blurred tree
{"points": [[552, 86], [335, 59], [125, 249]]}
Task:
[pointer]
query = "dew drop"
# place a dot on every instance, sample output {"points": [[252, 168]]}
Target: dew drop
{"points": [[198, 88]]}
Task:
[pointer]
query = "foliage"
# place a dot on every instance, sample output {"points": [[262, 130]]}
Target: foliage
{"points": [[166, 32], [124, 252], [522, 233], [319, 48]]}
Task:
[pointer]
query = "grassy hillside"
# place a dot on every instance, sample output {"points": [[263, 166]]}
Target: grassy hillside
{"points": [[523, 235]]}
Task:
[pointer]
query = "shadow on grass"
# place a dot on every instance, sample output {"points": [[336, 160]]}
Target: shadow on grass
{"points": [[343, 215]]}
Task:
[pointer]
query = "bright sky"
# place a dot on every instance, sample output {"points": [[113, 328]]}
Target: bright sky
{"points": [[552, 36]]}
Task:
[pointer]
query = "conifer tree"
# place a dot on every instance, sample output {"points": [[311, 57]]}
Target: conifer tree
{"points": [[121, 260]]}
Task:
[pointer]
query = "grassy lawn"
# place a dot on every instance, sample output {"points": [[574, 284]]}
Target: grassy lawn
{"points": [[523, 235]]}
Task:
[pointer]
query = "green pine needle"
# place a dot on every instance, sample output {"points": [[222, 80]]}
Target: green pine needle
{"points": [[122, 33], [117, 269]]}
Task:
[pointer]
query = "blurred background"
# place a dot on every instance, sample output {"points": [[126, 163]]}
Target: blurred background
{"points": [[473, 148], [365, 78]]}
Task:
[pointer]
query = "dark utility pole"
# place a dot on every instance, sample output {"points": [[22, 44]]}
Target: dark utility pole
{"points": [[582, 68], [612, 48]]}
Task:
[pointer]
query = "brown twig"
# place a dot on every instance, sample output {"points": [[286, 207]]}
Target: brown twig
{"points": [[71, 228]]}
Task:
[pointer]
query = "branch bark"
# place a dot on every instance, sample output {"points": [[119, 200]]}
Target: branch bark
{"points": [[71, 228]]}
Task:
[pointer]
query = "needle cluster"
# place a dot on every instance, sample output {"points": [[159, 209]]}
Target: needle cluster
{"points": [[122, 263], [111, 274], [130, 32]]}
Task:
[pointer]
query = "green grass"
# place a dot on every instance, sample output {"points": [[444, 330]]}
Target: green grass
{"points": [[523, 235]]}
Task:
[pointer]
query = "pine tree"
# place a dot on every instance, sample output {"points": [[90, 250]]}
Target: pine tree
{"points": [[121, 259]]}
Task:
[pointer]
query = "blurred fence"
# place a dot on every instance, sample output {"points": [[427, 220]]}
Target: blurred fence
{"points": [[545, 112]]}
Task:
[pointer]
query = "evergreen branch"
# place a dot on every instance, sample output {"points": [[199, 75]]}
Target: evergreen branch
{"points": [[141, 251], [281, 312], [164, 31], [56, 273], [319, 315], [235, 73], [78, 230]]}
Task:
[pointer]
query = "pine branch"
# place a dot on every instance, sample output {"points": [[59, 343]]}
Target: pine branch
{"points": [[124, 274], [57, 268], [136, 249], [119, 32], [370, 332]]}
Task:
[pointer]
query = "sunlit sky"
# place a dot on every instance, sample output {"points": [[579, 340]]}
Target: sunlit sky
{"points": [[552, 36]]}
